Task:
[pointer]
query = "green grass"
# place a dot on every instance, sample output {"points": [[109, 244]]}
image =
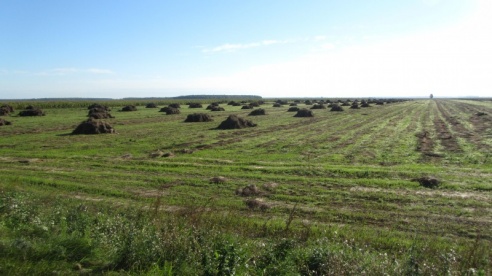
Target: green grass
{"points": [[344, 199]]}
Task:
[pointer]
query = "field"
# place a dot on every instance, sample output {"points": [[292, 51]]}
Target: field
{"points": [[337, 193]]}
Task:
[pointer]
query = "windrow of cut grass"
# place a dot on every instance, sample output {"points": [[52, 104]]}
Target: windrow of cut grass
{"points": [[335, 181]]}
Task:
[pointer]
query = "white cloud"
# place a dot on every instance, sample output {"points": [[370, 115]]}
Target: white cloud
{"points": [[233, 47], [454, 61], [99, 71], [72, 70]]}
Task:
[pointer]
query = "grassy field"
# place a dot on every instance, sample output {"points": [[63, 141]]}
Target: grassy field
{"points": [[338, 190]]}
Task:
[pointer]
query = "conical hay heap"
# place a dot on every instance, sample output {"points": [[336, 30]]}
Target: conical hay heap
{"points": [[31, 112], [293, 109], [198, 117], [151, 105], [4, 122], [336, 107], [93, 127], [235, 122], [99, 113], [257, 112], [96, 105], [171, 110], [195, 105], [129, 108], [217, 108], [6, 110], [304, 113], [318, 106]]}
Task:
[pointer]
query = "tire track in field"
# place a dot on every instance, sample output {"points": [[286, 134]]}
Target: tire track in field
{"points": [[479, 122], [447, 139], [368, 129], [471, 136]]}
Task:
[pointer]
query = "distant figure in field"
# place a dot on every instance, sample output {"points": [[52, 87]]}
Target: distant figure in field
{"points": [[431, 96]]}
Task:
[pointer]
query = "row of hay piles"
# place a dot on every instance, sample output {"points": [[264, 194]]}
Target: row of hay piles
{"points": [[32, 111], [92, 126], [4, 122]]}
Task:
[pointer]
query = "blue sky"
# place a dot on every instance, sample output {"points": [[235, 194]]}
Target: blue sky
{"points": [[272, 48]]}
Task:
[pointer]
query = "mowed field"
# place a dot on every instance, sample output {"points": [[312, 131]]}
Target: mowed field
{"points": [[349, 178]]}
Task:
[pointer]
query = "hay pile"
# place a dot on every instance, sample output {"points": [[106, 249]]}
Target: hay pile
{"points": [[304, 113], [198, 117], [31, 111], [4, 122], [211, 106], [93, 127], [195, 105], [129, 108], [151, 105], [217, 108], [218, 179], [293, 109], [427, 182], [99, 113], [95, 105], [250, 190], [235, 122], [336, 107], [247, 107], [256, 203], [355, 106], [257, 112], [170, 110], [6, 110], [318, 106]]}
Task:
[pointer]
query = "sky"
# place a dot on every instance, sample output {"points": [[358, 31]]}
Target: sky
{"points": [[270, 48]]}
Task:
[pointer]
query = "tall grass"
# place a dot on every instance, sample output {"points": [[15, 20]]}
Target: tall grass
{"points": [[48, 234]]}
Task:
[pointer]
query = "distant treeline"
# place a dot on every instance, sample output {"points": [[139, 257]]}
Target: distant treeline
{"points": [[85, 102], [221, 97]]}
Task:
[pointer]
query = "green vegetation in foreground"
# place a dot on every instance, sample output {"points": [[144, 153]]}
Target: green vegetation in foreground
{"points": [[339, 188]]}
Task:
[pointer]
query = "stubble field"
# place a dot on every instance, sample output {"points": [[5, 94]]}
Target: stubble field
{"points": [[337, 193]]}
